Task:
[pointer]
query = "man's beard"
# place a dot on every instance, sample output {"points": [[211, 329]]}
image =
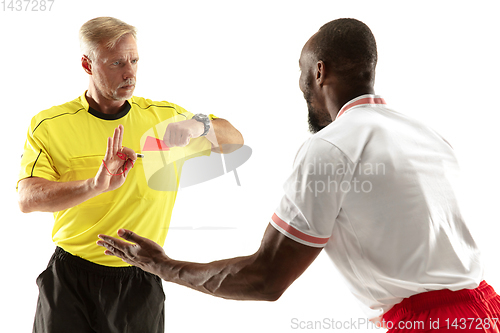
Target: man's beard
{"points": [[316, 119], [127, 82], [313, 120], [113, 94]]}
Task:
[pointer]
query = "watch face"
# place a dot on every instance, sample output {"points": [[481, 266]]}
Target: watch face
{"points": [[203, 119]]}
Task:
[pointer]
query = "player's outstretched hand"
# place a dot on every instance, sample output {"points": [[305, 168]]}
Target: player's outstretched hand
{"points": [[142, 252], [116, 164], [179, 134]]}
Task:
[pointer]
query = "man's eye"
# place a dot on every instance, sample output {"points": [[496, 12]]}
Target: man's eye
{"points": [[135, 61], [116, 63]]}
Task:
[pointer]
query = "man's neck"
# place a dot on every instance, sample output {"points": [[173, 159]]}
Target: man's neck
{"points": [[342, 97], [102, 104]]}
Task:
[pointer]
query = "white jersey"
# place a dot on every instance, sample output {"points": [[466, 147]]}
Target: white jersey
{"points": [[377, 190]]}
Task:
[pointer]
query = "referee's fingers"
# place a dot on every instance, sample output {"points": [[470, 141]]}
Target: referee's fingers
{"points": [[166, 137], [116, 140], [130, 153], [109, 149], [120, 136]]}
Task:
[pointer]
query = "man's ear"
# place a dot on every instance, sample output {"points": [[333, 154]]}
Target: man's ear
{"points": [[320, 73], [87, 64]]}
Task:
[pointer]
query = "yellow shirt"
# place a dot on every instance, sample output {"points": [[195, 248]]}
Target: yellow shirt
{"points": [[68, 142]]}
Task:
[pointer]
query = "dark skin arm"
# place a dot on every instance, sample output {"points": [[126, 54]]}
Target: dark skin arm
{"points": [[265, 275]]}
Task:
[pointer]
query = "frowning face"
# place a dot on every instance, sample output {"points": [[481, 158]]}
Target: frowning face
{"points": [[114, 70]]}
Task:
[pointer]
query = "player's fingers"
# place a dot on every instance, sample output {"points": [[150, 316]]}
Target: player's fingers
{"points": [[131, 236], [105, 240], [113, 244], [115, 252]]}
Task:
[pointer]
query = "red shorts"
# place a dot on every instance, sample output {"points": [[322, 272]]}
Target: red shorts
{"points": [[467, 310]]}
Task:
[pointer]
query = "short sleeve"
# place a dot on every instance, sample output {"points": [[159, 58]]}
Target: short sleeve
{"points": [[36, 161], [314, 193]]}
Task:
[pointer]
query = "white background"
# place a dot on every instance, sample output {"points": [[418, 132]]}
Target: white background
{"points": [[438, 62]]}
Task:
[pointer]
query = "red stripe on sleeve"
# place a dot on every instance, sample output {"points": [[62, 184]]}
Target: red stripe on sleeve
{"points": [[299, 234]]}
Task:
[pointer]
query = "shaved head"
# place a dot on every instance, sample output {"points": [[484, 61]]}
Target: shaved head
{"points": [[348, 49], [337, 64]]}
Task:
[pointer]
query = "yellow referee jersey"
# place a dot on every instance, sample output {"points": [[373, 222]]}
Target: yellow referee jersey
{"points": [[68, 142]]}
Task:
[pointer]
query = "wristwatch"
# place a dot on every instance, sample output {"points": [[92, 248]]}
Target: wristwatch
{"points": [[202, 118]]}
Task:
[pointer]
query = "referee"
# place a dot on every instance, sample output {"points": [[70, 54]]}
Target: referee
{"points": [[80, 162]]}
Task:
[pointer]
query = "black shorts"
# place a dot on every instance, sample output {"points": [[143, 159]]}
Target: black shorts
{"points": [[78, 296]]}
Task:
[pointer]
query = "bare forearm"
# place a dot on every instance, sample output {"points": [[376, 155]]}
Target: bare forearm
{"points": [[254, 277], [241, 278], [38, 194], [265, 275], [228, 137]]}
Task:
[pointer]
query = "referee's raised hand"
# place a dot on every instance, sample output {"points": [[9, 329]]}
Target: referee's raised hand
{"points": [[117, 163]]}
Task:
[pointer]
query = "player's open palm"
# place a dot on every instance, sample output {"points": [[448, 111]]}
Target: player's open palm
{"points": [[138, 251], [116, 163]]}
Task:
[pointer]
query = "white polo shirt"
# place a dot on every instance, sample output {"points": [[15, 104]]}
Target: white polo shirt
{"points": [[377, 190]]}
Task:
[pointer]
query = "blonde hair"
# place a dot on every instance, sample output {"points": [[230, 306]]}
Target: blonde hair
{"points": [[103, 31]]}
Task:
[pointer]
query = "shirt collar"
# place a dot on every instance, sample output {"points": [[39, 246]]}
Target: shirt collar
{"points": [[101, 115], [367, 99]]}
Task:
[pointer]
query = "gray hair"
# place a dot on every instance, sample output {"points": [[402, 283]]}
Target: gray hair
{"points": [[103, 32]]}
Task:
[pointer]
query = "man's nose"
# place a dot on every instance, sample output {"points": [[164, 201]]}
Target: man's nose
{"points": [[129, 71]]}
